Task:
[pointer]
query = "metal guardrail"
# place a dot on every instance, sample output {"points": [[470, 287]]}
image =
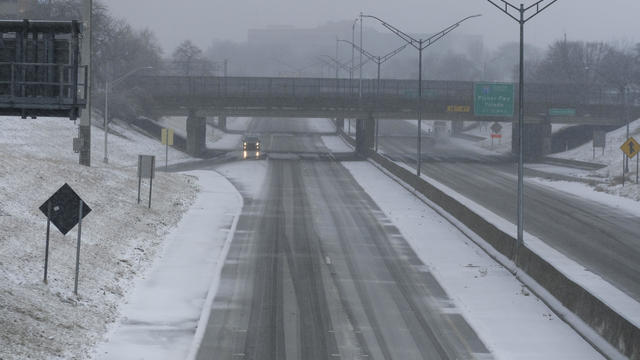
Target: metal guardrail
{"points": [[451, 91], [395, 99]]}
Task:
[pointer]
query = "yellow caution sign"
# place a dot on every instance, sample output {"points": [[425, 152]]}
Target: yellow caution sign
{"points": [[167, 137], [630, 147]]}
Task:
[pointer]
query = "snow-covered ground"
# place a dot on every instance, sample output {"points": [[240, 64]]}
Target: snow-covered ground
{"points": [[238, 123], [628, 206], [609, 177], [511, 321], [502, 145], [336, 144], [177, 123], [219, 140], [160, 318], [119, 237], [216, 139], [612, 158], [321, 125]]}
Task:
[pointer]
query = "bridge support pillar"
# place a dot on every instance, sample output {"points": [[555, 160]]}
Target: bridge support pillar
{"points": [[365, 135], [456, 127], [537, 140], [339, 124], [196, 133], [222, 123]]}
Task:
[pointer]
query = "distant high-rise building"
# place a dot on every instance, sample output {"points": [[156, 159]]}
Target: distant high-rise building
{"points": [[17, 9], [8, 9]]}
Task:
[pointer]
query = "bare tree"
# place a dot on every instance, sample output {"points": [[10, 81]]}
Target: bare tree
{"points": [[186, 57], [618, 68]]}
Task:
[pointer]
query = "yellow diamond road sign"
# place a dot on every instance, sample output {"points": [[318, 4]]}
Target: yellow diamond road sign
{"points": [[630, 147]]}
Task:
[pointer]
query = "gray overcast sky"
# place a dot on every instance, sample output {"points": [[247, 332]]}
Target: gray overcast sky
{"points": [[205, 20]]}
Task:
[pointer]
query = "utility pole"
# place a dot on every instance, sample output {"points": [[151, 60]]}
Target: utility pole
{"points": [[84, 130], [521, 10], [419, 45]]}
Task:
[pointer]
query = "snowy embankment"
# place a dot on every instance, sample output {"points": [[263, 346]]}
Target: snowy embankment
{"points": [[160, 318], [502, 145], [612, 158], [216, 139], [336, 144], [119, 237], [511, 321]]}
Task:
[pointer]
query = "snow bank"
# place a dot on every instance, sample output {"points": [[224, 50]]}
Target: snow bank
{"points": [[220, 140], [120, 237], [336, 144], [238, 123], [321, 125]]}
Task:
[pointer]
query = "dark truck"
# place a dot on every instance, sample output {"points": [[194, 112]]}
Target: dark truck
{"points": [[249, 145]]}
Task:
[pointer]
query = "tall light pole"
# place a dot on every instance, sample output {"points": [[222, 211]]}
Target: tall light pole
{"points": [[353, 53], [508, 8], [379, 60], [84, 129], [361, 27], [420, 45], [108, 86]]}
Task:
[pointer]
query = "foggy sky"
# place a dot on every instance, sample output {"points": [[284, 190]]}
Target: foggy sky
{"points": [[205, 20]]}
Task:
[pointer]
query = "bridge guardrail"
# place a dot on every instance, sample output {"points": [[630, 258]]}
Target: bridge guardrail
{"points": [[341, 97]]}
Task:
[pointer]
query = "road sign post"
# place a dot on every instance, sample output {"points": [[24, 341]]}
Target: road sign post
{"points": [[495, 129], [599, 140], [630, 149], [46, 250], [75, 286], [65, 209], [146, 169], [167, 140]]}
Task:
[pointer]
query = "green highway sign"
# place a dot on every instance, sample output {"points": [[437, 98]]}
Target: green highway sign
{"points": [[562, 112], [493, 99]]}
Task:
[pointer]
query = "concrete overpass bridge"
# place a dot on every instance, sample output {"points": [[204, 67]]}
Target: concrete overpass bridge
{"points": [[196, 97]]}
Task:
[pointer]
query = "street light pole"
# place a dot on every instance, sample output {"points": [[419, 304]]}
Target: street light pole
{"points": [[379, 60], [522, 19], [353, 53], [420, 48], [625, 106], [419, 45], [107, 88], [361, 27]]}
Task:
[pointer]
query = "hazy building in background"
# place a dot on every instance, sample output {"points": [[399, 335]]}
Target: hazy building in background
{"points": [[15, 9], [302, 52]]}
